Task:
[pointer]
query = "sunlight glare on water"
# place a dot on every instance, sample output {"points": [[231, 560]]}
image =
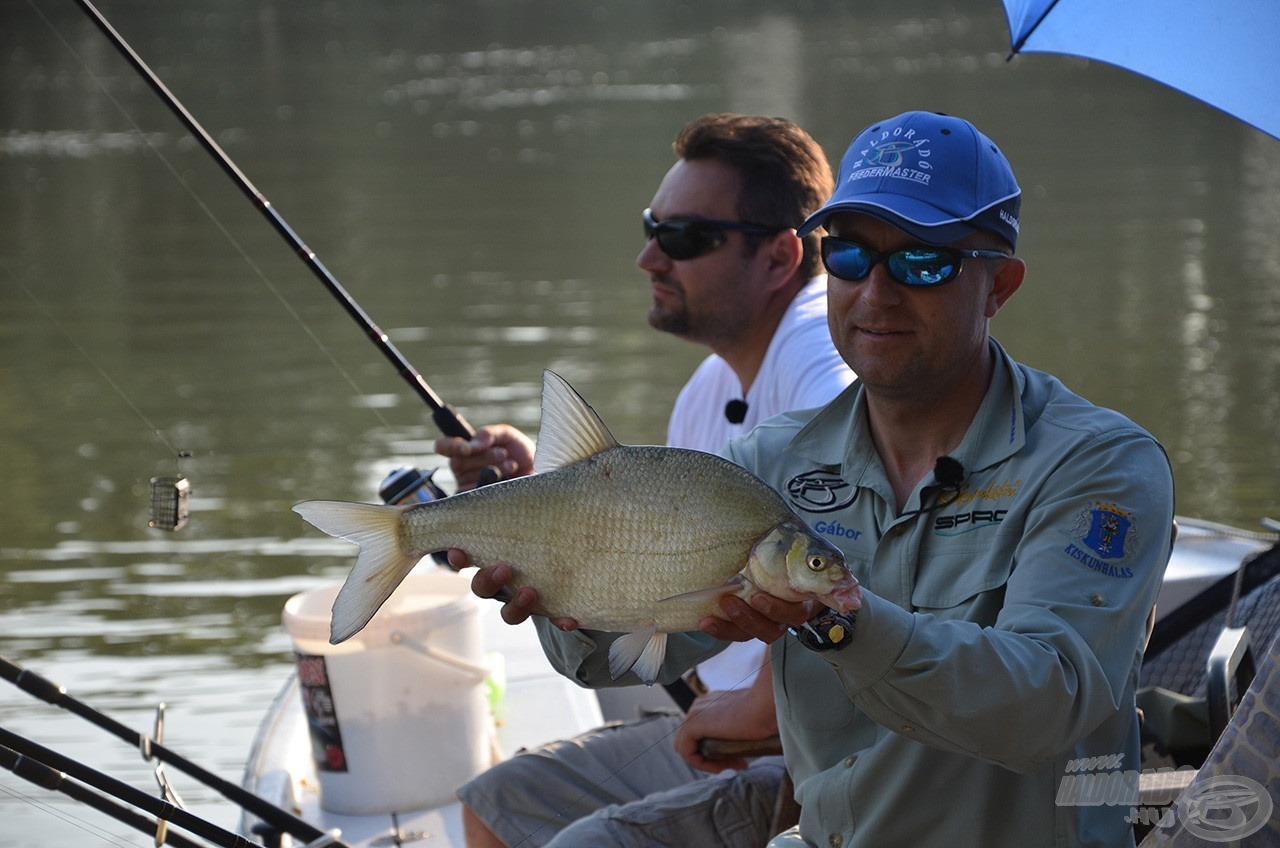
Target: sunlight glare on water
{"points": [[474, 174]]}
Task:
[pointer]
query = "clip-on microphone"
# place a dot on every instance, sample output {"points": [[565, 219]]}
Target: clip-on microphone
{"points": [[948, 475]]}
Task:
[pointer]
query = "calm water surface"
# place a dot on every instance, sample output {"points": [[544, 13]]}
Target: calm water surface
{"points": [[473, 174]]}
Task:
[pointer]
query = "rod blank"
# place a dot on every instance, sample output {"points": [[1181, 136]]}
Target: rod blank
{"points": [[446, 419]]}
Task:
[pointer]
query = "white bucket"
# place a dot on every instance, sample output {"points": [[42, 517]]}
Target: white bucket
{"points": [[397, 713]]}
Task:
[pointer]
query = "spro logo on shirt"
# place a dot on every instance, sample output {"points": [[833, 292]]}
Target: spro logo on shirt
{"points": [[968, 520], [820, 491], [963, 522]]}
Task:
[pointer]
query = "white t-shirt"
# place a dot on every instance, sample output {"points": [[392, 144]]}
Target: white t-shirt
{"points": [[801, 369]]}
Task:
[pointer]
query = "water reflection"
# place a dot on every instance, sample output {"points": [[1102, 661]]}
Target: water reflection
{"points": [[474, 174], [765, 73]]}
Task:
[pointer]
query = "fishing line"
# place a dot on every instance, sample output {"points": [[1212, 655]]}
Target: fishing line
{"points": [[212, 216], [50, 770], [52, 693], [169, 495], [105, 376], [64, 815], [446, 419]]}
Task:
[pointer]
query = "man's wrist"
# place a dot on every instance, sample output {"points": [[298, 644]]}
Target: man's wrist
{"points": [[827, 631]]}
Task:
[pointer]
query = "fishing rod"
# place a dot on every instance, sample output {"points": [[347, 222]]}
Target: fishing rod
{"points": [[50, 692], [41, 775], [446, 419], [158, 807]]}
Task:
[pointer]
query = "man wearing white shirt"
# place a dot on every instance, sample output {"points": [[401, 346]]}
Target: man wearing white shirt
{"points": [[727, 271]]}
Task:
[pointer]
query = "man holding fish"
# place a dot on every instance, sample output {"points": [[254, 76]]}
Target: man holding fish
{"points": [[755, 300], [1010, 537], [727, 271]]}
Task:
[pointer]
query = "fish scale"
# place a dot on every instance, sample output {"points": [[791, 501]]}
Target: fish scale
{"points": [[635, 540], [664, 545]]}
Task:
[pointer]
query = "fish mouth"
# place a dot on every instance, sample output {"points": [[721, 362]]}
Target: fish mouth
{"points": [[845, 598]]}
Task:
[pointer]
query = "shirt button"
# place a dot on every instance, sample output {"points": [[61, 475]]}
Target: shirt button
{"points": [[907, 728], [1098, 599], [835, 840], [849, 761]]}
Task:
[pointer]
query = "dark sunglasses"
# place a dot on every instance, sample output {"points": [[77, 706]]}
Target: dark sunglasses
{"points": [[688, 238], [911, 266]]}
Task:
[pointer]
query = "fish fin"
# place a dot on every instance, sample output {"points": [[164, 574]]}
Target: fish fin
{"points": [[735, 585], [641, 651], [379, 568], [571, 430]]}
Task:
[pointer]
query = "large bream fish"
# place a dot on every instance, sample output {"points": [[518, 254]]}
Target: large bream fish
{"points": [[628, 539]]}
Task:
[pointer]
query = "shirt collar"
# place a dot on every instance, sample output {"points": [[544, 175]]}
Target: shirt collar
{"points": [[838, 435]]}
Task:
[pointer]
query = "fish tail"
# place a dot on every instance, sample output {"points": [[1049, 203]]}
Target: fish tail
{"points": [[641, 651], [379, 568]]}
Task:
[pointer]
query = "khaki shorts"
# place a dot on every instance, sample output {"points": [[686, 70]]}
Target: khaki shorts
{"points": [[624, 785]]}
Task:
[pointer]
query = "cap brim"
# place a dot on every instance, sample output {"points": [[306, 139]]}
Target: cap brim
{"points": [[919, 219]]}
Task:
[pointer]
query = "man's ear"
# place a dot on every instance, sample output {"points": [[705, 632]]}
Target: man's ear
{"points": [[784, 252], [1006, 280]]}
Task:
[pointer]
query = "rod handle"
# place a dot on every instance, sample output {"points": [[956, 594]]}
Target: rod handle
{"points": [[451, 423]]}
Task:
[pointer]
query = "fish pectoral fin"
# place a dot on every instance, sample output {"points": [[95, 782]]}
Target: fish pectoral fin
{"points": [[733, 586], [379, 568], [571, 431], [641, 651]]}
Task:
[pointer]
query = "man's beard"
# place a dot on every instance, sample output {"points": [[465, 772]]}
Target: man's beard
{"points": [[709, 325], [684, 325], [673, 321]]}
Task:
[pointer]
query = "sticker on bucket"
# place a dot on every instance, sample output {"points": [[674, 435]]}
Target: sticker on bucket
{"points": [[408, 692], [322, 718]]}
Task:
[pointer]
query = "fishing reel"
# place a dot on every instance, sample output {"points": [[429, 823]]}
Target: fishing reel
{"points": [[407, 486]]}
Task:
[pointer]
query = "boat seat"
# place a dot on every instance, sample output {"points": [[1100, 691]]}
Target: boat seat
{"points": [[1200, 659], [1196, 673], [1230, 799]]}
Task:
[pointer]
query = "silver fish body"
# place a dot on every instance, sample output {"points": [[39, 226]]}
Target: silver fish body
{"points": [[627, 539], [607, 539]]}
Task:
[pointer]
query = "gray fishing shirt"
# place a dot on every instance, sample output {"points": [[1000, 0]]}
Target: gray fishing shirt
{"points": [[998, 648]]}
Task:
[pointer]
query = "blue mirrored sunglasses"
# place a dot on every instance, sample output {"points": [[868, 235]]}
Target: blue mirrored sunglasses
{"points": [[912, 266]]}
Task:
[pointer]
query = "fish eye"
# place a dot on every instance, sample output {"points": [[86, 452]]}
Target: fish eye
{"points": [[816, 562]]}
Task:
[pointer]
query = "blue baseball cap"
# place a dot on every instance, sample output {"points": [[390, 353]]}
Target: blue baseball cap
{"points": [[932, 175]]}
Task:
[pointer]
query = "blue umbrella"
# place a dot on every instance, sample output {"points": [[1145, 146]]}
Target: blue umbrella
{"points": [[1224, 52]]}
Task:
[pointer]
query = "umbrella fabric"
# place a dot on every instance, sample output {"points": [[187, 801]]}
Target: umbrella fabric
{"points": [[1224, 52]]}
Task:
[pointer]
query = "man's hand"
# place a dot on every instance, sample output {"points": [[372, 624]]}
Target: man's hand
{"points": [[492, 579], [766, 618], [500, 445], [738, 715]]}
